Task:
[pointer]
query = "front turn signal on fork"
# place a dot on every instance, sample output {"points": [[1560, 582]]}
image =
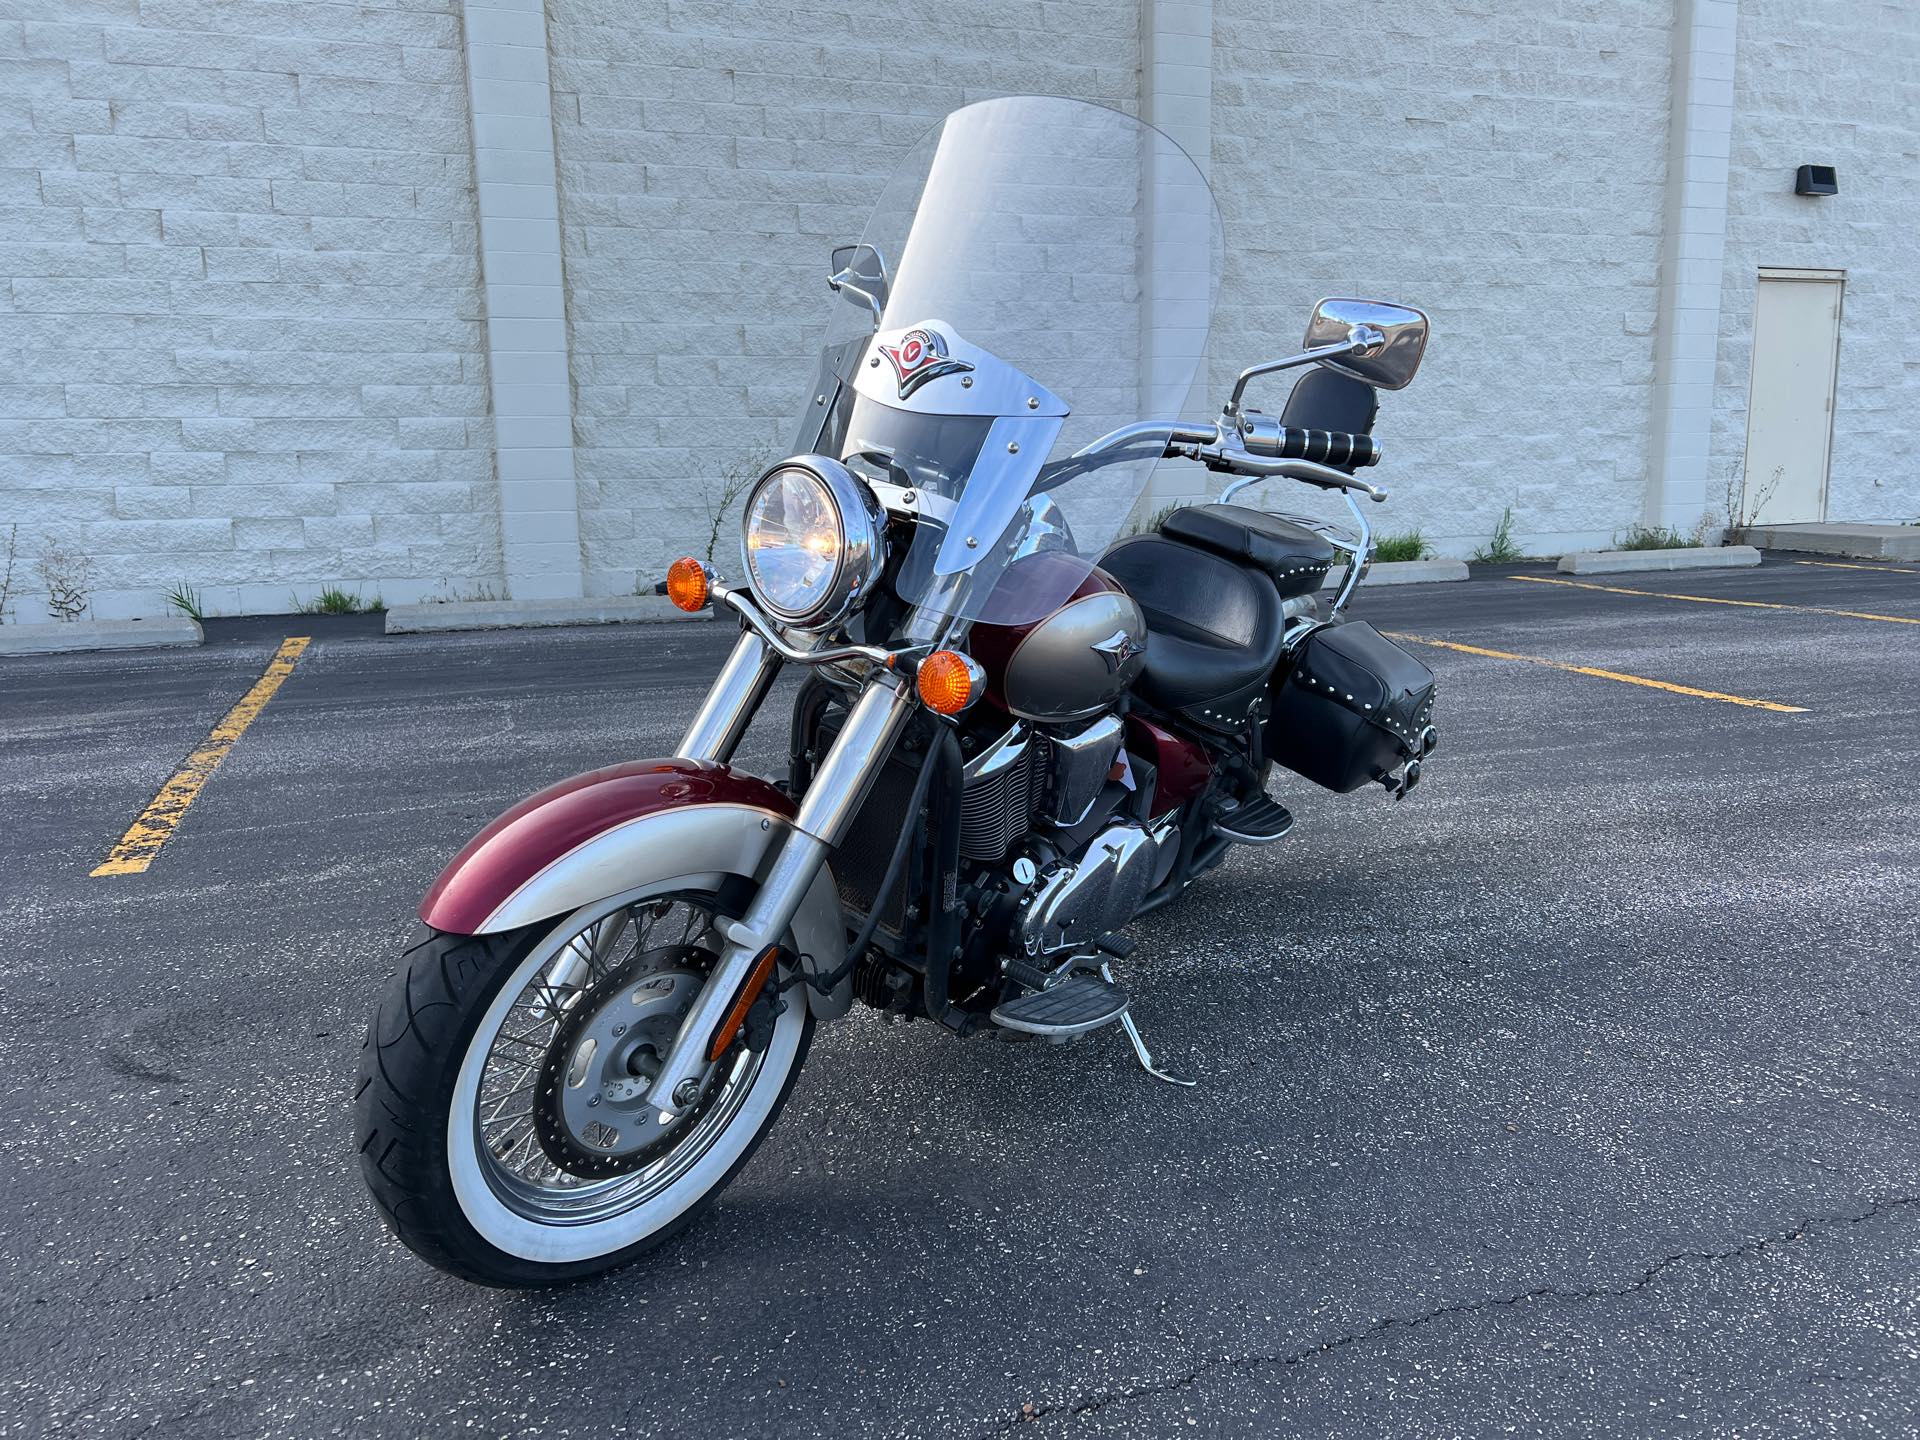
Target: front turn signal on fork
{"points": [[687, 585], [949, 682]]}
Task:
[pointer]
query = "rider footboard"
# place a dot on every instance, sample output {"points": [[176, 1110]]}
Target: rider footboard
{"points": [[1353, 708]]}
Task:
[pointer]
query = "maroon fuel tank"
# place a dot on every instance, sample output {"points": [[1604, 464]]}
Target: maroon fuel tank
{"points": [[1075, 659]]}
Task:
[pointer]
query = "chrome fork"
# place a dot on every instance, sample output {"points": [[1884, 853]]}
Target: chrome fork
{"points": [[732, 701], [832, 799]]}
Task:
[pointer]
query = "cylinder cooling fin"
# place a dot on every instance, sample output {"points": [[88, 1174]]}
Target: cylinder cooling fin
{"points": [[1004, 783]]}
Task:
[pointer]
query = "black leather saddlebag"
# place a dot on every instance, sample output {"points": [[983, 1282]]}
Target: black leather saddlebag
{"points": [[1352, 709]]}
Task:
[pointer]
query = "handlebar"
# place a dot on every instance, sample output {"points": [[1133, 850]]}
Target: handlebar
{"points": [[1253, 445], [1274, 441]]}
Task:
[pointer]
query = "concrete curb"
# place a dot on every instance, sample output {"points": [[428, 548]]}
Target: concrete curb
{"points": [[533, 614], [163, 633], [1855, 542], [1402, 572], [1698, 557]]}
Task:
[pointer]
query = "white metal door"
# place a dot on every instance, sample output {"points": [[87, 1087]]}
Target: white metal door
{"points": [[1796, 347]]}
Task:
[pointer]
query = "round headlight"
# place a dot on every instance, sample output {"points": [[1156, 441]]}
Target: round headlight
{"points": [[811, 534]]}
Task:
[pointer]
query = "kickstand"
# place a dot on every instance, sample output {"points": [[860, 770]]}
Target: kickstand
{"points": [[1140, 1051]]}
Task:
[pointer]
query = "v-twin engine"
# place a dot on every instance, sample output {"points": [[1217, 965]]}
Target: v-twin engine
{"points": [[1048, 785]]}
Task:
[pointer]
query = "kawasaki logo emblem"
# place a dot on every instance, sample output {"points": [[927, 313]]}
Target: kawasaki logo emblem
{"points": [[920, 356]]}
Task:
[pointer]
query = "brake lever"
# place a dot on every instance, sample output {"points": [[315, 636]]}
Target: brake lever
{"points": [[1252, 470]]}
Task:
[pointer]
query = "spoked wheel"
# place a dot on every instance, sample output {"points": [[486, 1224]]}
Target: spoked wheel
{"points": [[503, 1120]]}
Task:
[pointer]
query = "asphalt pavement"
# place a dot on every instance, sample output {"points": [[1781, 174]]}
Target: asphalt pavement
{"points": [[1573, 1095]]}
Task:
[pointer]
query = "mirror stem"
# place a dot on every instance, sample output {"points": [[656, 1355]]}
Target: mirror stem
{"points": [[1363, 341]]}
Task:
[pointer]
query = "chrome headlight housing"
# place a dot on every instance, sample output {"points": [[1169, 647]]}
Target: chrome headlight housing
{"points": [[810, 536]]}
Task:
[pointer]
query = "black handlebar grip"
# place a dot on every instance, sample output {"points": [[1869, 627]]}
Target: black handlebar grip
{"points": [[1323, 447]]}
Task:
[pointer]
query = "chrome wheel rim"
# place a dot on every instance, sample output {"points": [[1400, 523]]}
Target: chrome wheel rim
{"points": [[523, 1177]]}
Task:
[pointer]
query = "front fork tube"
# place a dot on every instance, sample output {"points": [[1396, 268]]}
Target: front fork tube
{"points": [[832, 799], [732, 702]]}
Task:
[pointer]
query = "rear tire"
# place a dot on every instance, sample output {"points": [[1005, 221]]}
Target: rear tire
{"points": [[420, 1135]]}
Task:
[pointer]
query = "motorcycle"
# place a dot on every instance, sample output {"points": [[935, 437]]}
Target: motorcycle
{"points": [[1025, 721]]}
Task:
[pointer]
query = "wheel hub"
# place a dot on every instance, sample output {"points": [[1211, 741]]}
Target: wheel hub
{"points": [[590, 1112]]}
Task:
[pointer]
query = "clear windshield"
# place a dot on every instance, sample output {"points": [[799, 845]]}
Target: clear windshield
{"points": [[1051, 268]]}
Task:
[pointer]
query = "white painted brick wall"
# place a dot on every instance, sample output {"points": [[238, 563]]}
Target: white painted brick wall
{"points": [[239, 301], [1831, 85], [242, 334], [1501, 167]]}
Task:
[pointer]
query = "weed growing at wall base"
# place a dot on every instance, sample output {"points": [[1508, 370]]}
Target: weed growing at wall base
{"points": [[1410, 545], [1499, 549], [68, 576], [6, 571], [335, 601], [186, 599], [1654, 537]]}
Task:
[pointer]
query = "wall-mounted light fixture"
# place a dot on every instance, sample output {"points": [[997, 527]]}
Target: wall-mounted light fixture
{"points": [[1816, 180]]}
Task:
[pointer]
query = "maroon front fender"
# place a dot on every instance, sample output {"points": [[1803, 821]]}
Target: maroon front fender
{"points": [[545, 828]]}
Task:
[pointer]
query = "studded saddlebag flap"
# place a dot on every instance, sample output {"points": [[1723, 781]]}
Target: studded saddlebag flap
{"points": [[1352, 708]]}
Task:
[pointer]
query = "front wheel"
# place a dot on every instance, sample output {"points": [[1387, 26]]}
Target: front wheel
{"points": [[501, 1112]]}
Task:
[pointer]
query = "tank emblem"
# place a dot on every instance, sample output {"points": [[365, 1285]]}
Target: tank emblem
{"points": [[1117, 649], [921, 356]]}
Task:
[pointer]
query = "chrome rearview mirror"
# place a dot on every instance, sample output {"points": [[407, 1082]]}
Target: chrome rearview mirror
{"points": [[861, 271], [1392, 338], [1368, 340]]}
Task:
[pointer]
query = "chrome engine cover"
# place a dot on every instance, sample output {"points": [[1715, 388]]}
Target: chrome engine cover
{"points": [[1079, 903], [1082, 760]]}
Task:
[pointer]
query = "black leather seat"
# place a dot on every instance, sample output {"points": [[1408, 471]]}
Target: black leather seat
{"points": [[1294, 557], [1213, 627]]}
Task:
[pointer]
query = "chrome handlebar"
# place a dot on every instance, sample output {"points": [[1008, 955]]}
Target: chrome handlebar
{"points": [[1220, 446], [1177, 433]]}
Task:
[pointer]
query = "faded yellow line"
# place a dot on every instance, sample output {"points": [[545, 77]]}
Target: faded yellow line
{"points": [[155, 826], [1884, 567], [1621, 676], [1721, 600]]}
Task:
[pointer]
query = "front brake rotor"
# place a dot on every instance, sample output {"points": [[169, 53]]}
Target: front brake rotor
{"points": [[590, 1110]]}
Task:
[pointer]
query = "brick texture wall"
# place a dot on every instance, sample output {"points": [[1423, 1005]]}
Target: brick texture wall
{"points": [[710, 156], [1832, 84], [239, 301], [1501, 167], [242, 327]]}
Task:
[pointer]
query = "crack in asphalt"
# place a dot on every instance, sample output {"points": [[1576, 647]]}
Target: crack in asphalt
{"points": [[1393, 1324]]}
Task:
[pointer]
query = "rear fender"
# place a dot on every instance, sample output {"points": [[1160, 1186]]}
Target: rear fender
{"points": [[625, 829]]}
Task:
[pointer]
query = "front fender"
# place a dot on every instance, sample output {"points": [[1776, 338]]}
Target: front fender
{"points": [[610, 831]]}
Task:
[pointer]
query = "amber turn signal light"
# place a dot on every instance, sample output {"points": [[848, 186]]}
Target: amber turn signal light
{"points": [[687, 583], [948, 682]]}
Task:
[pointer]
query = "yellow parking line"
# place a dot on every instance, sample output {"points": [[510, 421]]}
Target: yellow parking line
{"points": [[1621, 676], [1721, 600], [155, 826], [1884, 567]]}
